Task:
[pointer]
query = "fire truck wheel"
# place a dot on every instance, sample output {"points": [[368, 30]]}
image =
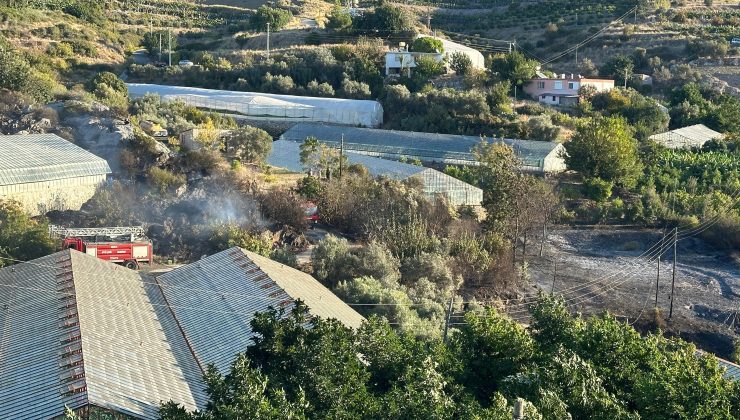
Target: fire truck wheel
{"points": [[131, 264]]}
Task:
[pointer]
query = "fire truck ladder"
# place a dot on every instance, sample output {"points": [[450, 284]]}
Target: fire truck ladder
{"points": [[89, 232]]}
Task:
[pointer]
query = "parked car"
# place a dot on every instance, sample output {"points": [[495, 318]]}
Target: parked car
{"points": [[735, 42], [185, 63]]}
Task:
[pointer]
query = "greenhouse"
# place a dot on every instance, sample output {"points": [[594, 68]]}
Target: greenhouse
{"points": [[535, 156], [251, 105], [476, 58], [285, 154]]}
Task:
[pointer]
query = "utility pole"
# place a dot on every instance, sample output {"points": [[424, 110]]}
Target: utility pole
{"points": [[657, 280], [268, 40], [169, 47], [447, 320], [341, 157], [554, 275], [673, 282], [576, 56], [160, 46], [626, 70]]}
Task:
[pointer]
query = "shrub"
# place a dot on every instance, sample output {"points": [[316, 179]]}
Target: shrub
{"points": [[339, 19], [284, 208], [597, 189], [21, 237], [165, 181], [249, 144], [61, 50], [277, 18], [460, 63], [355, 90], [231, 235], [427, 45]]}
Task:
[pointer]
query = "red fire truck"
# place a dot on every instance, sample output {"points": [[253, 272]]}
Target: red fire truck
{"points": [[123, 245]]}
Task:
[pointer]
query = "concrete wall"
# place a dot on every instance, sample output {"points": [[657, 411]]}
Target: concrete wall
{"points": [[63, 194]]}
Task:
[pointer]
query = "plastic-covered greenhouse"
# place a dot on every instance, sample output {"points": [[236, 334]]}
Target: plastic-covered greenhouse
{"points": [[476, 58], [536, 156], [269, 106], [285, 154]]}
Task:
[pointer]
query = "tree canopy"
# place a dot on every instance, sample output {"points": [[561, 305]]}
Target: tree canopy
{"points": [[514, 67], [563, 367], [604, 147], [22, 238]]}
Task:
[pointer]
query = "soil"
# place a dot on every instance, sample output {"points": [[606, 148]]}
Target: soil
{"points": [[598, 269]]}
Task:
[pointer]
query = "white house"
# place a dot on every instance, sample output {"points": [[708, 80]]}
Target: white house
{"points": [[401, 61]]}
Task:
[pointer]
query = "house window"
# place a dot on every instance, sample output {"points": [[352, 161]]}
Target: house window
{"points": [[573, 85], [558, 84], [540, 85]]}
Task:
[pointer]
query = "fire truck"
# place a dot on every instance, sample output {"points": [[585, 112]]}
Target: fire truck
{"points": [[122, 245]]}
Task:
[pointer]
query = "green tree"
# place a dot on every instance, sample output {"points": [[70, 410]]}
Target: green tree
{"points": [[427, 44], [604, 147], [386, 18], [514, 67], [277, 18], [498, 178], [250, 144], [619, 68], [339, 19], [151, 42], [428, 68], [15, 71], [461, 63], [22, 238]]}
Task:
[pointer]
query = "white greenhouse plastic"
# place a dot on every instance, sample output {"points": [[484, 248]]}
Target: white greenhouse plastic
{"points": [[269, 106]]}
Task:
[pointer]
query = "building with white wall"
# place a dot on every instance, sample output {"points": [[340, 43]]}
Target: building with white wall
{"points": [[44, 172]]}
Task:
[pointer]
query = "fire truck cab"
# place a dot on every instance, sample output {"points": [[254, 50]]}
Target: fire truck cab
{"points": [[122, 245]]}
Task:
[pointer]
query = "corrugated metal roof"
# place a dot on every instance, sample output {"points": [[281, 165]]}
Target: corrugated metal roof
{"points": [[732, 370], [30, 342], [132, 353], [243, 284], [285, 154], [45, 157], [687, 137], [135, 355], [429, 147]]}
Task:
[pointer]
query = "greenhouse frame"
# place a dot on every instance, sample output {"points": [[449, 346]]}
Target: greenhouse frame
{"points": [[535, 156], [266, 106], [285, 154]]}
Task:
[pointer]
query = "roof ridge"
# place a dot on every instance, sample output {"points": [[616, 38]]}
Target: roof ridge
{"points": [[72, 365]]}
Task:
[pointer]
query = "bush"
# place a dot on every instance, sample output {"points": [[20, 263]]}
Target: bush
{"points": [[284, 208], [460, 63], [230, 235], [427, 45], [339, 19], [249, 144], [21, 237], [165, 181], [61, 50], [597, 189], [284, 256], [277, 18]]}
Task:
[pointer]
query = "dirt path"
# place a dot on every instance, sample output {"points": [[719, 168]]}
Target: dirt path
{"points": [[605, 269]]}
